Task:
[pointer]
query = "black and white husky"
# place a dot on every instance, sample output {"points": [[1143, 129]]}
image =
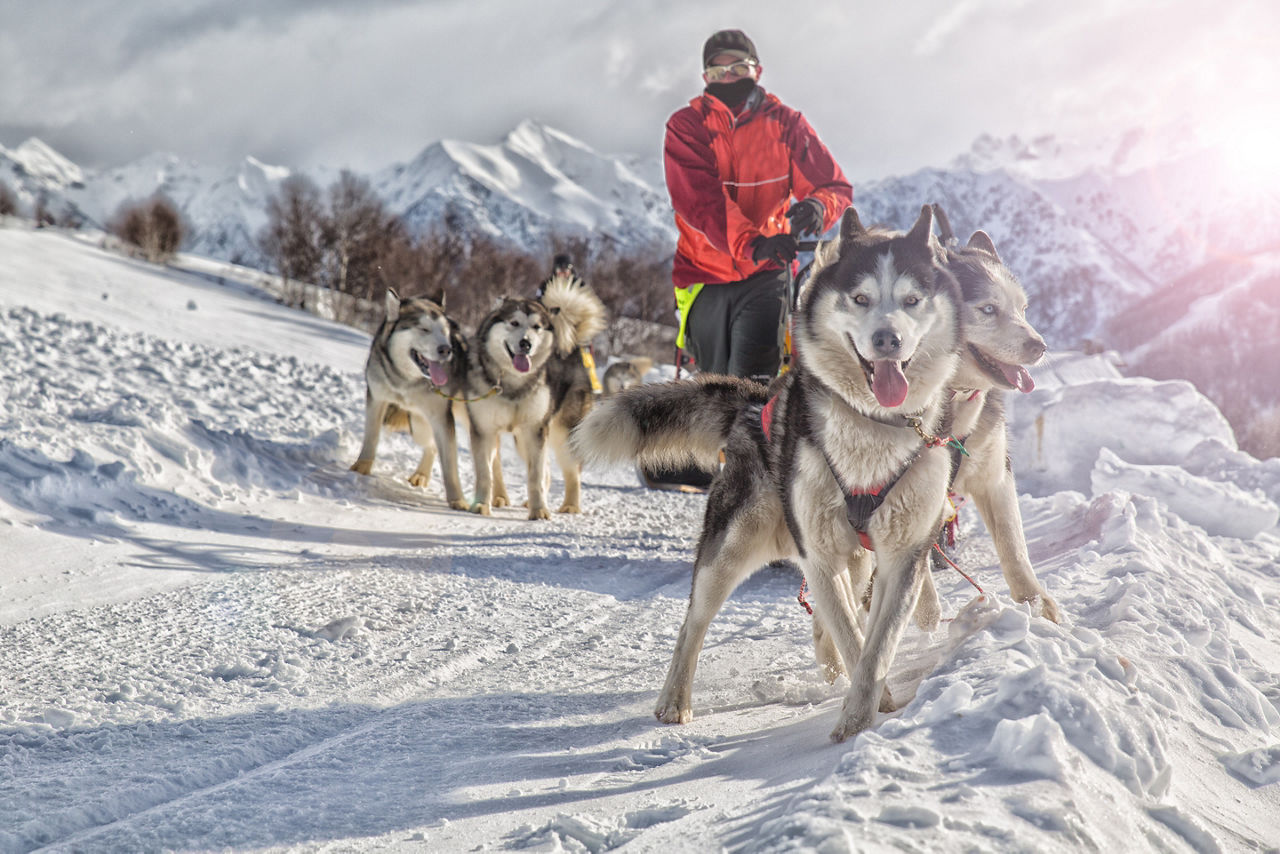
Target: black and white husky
{"points": [[529, 379], [838, 465], [417, 362]]}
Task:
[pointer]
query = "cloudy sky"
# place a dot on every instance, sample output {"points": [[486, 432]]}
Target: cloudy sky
{"points": [[890, 87]]}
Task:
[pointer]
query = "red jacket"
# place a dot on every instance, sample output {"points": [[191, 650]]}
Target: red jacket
{"points": [[732, 179]]}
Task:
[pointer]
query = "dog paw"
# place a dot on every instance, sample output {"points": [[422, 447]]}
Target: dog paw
{"points": [[886, 702], [459, 504], [569, 508], [849, 726], [417, 479], [501, 501], [362, 466], [481, 508], [671, 714], [540, 513], [1049, 608]]}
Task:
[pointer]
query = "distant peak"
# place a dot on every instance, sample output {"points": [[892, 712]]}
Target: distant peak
{"points": [[43, 161]]}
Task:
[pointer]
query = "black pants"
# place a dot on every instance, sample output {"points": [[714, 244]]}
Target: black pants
{"points": [[736, 328]]}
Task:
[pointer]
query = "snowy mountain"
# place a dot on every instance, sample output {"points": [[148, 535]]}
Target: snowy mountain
{"points": [[214, 636], [1094, 229], [537, 183]]}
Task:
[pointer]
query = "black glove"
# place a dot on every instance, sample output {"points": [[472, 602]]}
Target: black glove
{"points": [[780, 248], [806, 217]]}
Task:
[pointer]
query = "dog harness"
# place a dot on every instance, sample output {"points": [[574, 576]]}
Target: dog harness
{"points": [[860, 502]]}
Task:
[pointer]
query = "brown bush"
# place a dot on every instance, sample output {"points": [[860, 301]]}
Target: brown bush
{"points": [[291, 239], [154, 228], [8, 201]]}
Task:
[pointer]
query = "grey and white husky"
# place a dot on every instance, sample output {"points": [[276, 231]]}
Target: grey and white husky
{"points": [[837, 465], [418, 361], [999, 346], [529, 378]]}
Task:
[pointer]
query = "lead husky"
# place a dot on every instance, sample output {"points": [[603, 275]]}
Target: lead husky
{"points": [[530, 379], [836, 457], [417, 361]]}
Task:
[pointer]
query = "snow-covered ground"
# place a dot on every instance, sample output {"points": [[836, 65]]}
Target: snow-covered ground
{"points": [[213, 635]]}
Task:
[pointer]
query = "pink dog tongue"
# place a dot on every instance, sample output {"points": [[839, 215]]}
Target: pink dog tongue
{"points": [[521, 363], [439, 373], [1018, 377], [888, 383]]}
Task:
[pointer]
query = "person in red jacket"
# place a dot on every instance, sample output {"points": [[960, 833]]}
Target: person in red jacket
{"points": [[746, 174]]}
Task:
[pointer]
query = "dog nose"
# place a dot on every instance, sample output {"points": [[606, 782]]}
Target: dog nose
{"points": [[442, 351], [886, 341], [1034, 348], [525, 345]]}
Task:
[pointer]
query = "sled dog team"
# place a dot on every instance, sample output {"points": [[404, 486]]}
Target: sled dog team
{"points": [[903, 346], [523, 372]]}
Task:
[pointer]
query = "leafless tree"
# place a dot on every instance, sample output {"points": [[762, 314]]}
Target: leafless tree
{"points": [[357, 230], [154, 228], [8, 201], [293, 235]]}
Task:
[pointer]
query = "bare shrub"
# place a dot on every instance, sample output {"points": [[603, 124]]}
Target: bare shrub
{"points": [[153, 228], [357, 230], [293, 235], [8, 201]]}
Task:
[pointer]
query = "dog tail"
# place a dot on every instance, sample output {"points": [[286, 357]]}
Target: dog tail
{"points": [[577, 314], [666, 424]]}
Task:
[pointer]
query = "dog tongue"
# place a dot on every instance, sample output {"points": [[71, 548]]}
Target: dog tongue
{"points": [[439, 373], [1018, 377], [888, 383], [521, 363]]}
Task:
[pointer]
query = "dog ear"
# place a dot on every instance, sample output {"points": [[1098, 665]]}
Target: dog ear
{"points": [[945, 232], [923, 229], [850, 225], [438, 297], [393, 304], [980, 240]]}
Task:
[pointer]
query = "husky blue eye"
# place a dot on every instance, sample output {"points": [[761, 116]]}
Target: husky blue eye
{"points": [[988, 309]]}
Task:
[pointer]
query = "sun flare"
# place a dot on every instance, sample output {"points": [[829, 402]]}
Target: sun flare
{"points": [[1250, 151]]}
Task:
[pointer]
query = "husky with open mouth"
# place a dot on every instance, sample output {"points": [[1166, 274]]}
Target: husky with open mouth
{"points": [[838, 465], [508, 391], [999, 347], [418, 361]]}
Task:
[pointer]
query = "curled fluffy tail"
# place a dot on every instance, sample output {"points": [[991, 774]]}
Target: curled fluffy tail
{"points": [[666, 424]]}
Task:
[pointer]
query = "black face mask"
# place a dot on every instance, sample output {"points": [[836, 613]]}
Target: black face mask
{"points": [[732, 95]]}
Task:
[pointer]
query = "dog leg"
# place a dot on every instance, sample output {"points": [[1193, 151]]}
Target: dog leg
{"points": [[729, 552], [998, 506], [446, 434], [374, 412], [484, 452], [533, 444], [422, 434], [569, 468], [928, 606], [891, 605], [500, 497]]}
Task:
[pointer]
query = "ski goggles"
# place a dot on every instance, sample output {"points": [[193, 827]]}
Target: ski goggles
{"points": [[742, 68]]}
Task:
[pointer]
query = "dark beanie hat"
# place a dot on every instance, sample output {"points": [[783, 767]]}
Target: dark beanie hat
{"points": [[729, 41]]}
